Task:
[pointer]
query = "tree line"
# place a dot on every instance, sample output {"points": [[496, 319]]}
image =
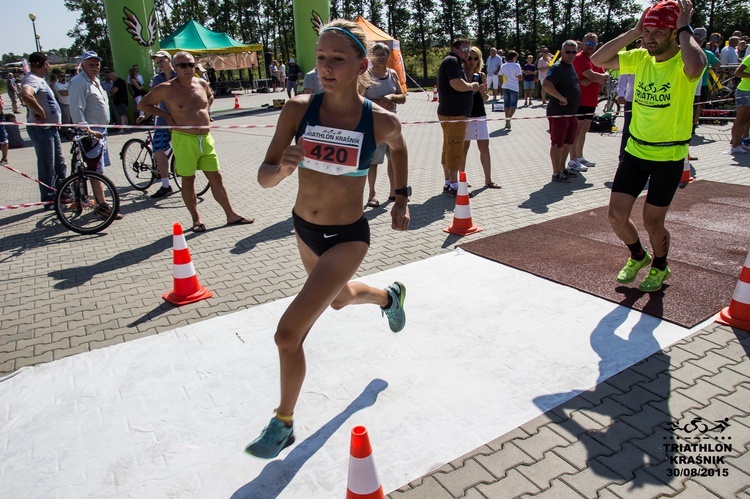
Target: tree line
{"points": [[425, 28]]}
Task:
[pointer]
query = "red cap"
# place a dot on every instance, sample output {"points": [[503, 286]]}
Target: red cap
{"points": [[662, 15]]}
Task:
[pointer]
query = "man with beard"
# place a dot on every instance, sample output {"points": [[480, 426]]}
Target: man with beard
{"points": [[666, 76]]}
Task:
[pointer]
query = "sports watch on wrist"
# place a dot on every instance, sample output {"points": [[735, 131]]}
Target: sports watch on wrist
{"points": [[404, 191], [687, 28]]}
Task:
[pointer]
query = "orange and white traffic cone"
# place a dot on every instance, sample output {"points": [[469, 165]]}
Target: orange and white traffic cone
{"points": [[737, 314], [462, 223], [434, 93], [236, 101], [363, 478], [686, 178], [187, 289]]}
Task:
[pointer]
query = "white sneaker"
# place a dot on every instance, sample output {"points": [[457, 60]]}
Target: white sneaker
{"points": [[747, 148], [586, 162], [575, 166], [738, 150]]}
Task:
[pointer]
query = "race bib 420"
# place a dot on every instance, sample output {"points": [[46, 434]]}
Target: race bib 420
{"points": [[331, 150]]}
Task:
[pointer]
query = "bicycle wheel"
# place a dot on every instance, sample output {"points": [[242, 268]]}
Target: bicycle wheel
{"points": [[76, 206], [138, 164], [609, 106], [201, 181]]}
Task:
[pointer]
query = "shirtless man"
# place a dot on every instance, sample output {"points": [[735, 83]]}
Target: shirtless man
{"points": [[188, 99]]}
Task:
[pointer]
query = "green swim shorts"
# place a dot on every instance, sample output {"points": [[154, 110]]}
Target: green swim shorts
{"points": [[193, 152]]}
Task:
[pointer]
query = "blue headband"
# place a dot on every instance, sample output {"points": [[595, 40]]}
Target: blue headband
{"points": [[349, 34]]}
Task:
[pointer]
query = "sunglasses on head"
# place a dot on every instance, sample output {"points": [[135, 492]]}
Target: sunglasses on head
{"points": [[183, 65]]}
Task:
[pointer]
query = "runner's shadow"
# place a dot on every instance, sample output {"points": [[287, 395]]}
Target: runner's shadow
{"points": [[639, 400], [277, 474]]}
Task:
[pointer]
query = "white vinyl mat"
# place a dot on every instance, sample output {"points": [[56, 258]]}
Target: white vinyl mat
{"points": [[486, 348]]}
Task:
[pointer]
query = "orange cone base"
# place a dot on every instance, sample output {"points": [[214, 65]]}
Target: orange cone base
{"points": [[725, 317], [178, 300], [378, 494], [462, 231]]}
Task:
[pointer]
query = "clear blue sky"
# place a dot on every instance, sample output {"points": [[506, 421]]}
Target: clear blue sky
{"points": [[53, 21]]}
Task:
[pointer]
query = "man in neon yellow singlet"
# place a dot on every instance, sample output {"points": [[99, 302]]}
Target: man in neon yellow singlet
{"points": [[667, 71]]}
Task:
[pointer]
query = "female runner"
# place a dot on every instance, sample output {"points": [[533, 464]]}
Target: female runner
{"points": [[337, 132]]}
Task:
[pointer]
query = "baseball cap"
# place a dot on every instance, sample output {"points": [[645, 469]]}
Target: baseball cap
{"points": [[662, 15], [89, 54], [701, 33], [200, 68], [292, 59], [160, 54]]}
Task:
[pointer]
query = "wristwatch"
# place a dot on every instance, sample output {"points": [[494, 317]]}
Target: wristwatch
{"points": [[687, 28], [404, 191]]}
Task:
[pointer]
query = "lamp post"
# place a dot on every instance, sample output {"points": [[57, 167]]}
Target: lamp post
{"points": [[32, 16]]}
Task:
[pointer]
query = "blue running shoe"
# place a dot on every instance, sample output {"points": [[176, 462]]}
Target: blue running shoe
{"points": [[273, 439], [395, 313]]}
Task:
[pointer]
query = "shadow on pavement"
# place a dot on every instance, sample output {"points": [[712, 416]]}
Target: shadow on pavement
{"points": [[279, 230], [625, 445], [552, 192], [76, 276], [277, 474]]}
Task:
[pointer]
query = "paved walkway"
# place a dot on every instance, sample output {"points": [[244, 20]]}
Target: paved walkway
{"points": [[65, 294]]}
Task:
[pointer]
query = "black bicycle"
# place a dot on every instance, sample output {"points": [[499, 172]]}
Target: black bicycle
{"points": [[77, 204], [141, 170]]}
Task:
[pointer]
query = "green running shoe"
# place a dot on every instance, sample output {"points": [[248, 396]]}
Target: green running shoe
{"points": [[655, 279], [630, 271], [273, 439], [395, 313]]}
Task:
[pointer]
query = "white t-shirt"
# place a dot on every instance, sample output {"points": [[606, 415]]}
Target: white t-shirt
{"points": [[62, 99], [511, 71]]}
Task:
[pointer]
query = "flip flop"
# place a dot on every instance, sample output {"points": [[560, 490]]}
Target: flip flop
{"points": [[492, 185], [199, 228], [373, 203], [242, 221]]}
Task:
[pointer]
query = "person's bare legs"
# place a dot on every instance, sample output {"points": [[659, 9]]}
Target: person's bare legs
{"points": [[326, 285], [577, 150], [372, 176], [740, 126], [219, 193], [620, 209], [4, 151], [484, 159], [653, 221], [162, 163], [190, 199]]}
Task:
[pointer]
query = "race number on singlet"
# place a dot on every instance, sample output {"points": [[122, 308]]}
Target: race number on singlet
{"points": [[331, 150]]}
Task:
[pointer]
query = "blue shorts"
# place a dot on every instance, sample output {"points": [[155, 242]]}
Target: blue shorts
{"points": [[529, 85], [510, 98], [742, 97], [162, 139], [3, 135]]}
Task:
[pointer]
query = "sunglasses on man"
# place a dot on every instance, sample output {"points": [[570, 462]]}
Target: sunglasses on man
{"points": [[183, 65], [590, 44]]}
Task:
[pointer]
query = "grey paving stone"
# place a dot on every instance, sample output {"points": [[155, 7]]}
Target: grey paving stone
{"points": [[500, 462], [430, 489], [543, 471], [652, 366], [575, 425], [557, 490], [689, 373], [702, 391], [718, 334], [499, 442], [512, 485], [537, 444], [607, 411], [465, 477], [580, 453], [589, 481], [642, 486], [459, 461], [735, 352]]}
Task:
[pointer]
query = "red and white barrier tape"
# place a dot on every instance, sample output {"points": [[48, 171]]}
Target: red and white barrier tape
{"points": [[24, 205]]}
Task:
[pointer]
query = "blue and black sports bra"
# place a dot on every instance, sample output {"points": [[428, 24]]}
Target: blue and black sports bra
{"points": [[365, 126]]}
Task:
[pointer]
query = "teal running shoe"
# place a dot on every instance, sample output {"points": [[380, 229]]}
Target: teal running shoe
{"points": [[395, 313], [630, 271], [655, 279], [273, 439]]}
